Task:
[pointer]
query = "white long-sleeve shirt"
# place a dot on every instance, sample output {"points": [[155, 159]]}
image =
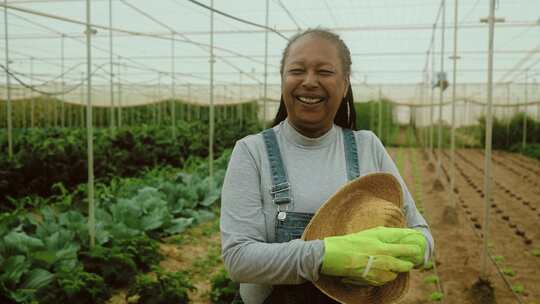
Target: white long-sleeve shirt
{"points": [[316, 169]]}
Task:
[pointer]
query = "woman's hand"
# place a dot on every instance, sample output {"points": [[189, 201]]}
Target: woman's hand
{"points": [[374, 256]]}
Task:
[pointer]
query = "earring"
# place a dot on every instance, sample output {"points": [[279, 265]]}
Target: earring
{"points": [[348, 113]]}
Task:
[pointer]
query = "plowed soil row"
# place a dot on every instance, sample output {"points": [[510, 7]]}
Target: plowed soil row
{"points": [[513, 222]]}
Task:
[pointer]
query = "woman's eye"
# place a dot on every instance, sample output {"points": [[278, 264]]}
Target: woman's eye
{"points": [[296, 71], [326, 72]]}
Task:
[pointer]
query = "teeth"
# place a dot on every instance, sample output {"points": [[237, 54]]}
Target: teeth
{"points": [[309, 100]]}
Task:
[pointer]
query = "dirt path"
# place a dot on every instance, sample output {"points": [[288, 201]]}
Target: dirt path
{"points": [[419, 291], [196, 251]]}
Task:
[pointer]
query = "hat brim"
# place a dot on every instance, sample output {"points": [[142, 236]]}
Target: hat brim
{"points": [[366, 202]]}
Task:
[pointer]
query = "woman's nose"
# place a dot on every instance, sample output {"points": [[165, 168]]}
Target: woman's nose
{"points": [[311, 80]]}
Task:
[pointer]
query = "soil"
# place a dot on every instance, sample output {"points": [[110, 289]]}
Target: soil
{"points": [[459, 245]]}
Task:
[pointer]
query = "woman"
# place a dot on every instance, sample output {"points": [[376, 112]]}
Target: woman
{"points": [[276, 180]]}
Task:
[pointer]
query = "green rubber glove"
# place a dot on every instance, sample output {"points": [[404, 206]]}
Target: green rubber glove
{"points": [[420, 241], [349, 255]]}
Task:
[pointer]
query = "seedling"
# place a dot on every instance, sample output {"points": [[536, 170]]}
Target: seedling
{"points": [[436, 296], [428, 265], [432, 279], [518, 288], [498, 258], [509, 271]]}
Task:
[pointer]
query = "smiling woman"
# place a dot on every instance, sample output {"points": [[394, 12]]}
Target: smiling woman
{"points": [[314, 84], [278, 179], [316, 68]]}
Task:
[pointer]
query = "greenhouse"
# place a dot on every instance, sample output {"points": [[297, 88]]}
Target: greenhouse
{"points": [[122, 120]]}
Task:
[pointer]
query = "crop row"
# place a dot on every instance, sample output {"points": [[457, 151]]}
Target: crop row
{"points": [[46, 254], [498, 209], [45, 157], [431, 266], [502, 187]]}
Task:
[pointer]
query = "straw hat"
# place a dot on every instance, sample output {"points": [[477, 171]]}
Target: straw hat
{"points": [[365, 202]]}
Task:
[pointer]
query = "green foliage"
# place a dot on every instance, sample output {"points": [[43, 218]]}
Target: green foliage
{"points": [[205, 264], [509, 271], [53, 161], [114, 265], [432, 279], [498, 258], [428, 265], [38, 249], [436, 296], [166, 288], [508, 133], [223, 288], [536, 252], [518, 288], [531, 150], [143, 250], [367, 118], [76, 286]]}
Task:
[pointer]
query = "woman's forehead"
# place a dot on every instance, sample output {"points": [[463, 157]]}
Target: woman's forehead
{"points": [[313, 48]]}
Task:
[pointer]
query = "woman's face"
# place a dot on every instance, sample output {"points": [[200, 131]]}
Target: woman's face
{"points": [[313, 84]]}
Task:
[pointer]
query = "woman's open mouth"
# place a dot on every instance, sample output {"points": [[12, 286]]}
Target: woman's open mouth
{"points": [[310, 100]]}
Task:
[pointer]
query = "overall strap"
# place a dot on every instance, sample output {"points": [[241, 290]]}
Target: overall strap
{"points": [[351, 154], [281, 189]]}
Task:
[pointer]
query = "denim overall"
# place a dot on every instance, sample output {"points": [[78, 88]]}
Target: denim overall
{"points": [[290, 225]]}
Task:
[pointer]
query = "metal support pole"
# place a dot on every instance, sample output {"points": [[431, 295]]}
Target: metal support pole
{"points": [[32, 99], [441, 94], [189, 104], [82, 119], [111, 67], [379, 127], [509, 115], [91, 212], [62, 97], [487, 159], [265, 63], [158, 97], [120, 115], [453, 132], [432, 95], [8, 85], [241, 105], [524, 142], [173, 91], [211, 113]]}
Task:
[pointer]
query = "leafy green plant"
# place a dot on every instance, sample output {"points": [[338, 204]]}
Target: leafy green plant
{"points": [[205, 264], [143, 250], [76, 286], [518, 288], [509, 271], [114, 265], [499, 258], [436, 296], [428, 265], [223, 288], [52, 161], [536, 252], [166, 288], [431, 279]]}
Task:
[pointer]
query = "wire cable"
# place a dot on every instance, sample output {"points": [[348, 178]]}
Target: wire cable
{"points": [[175, 32], [239, 19], [298, 27]]}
